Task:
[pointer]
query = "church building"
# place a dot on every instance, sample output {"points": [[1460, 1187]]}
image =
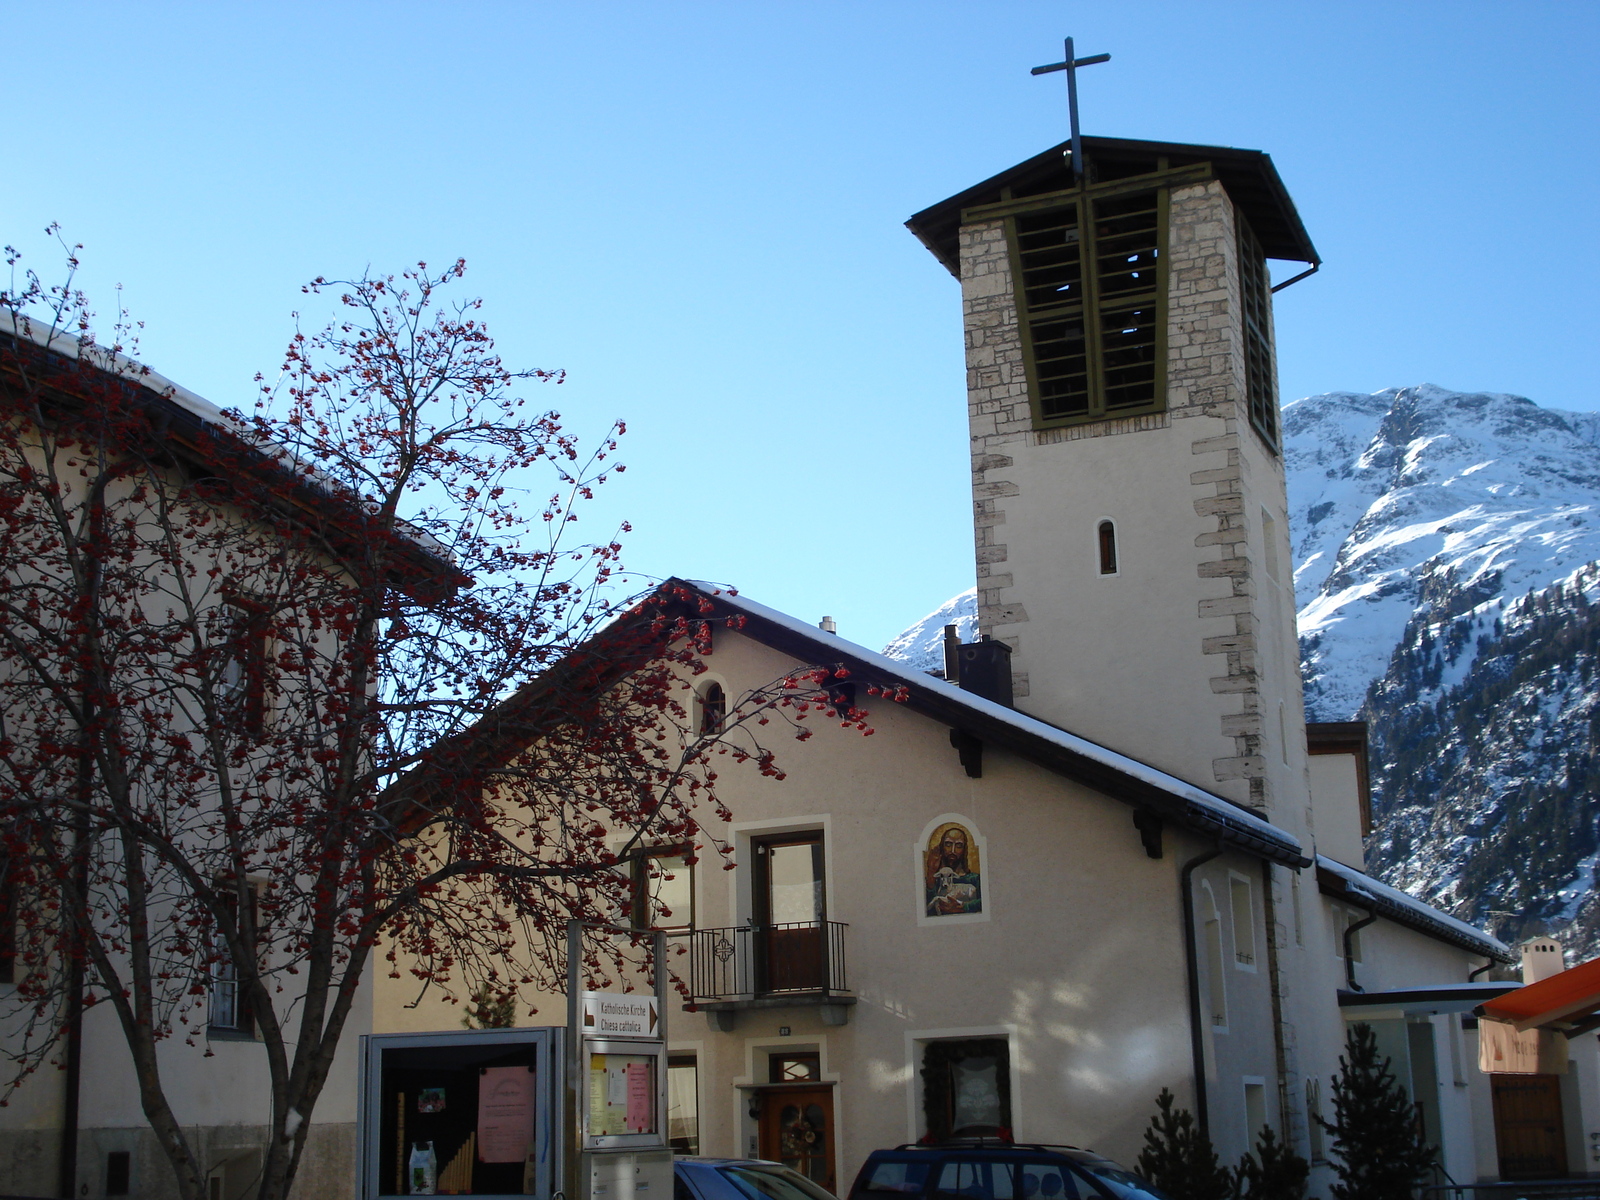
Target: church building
{"points": [[1103, 854], [1098, 855]]}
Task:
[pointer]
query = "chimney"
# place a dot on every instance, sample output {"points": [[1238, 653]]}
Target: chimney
{"points": [[828, 625], [952, 645], [1542, 957], [984, 669]]}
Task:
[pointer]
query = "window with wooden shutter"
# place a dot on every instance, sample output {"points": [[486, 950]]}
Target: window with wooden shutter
{"points": [[1091, 290], [1255, 304]]}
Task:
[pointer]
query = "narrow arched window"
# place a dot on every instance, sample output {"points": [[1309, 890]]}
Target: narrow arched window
{"points": [[1108, 548], [1217, 990], [713, 709]]}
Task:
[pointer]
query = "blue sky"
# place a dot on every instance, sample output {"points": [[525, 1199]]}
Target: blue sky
{"points": [[695, 208]]}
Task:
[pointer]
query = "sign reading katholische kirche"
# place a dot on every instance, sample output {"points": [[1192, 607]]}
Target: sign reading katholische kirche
{"points": [[617, 1014]]}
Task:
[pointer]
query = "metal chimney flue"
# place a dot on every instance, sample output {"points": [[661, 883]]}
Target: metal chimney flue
{"points": [[828, 625], [952, 648]]}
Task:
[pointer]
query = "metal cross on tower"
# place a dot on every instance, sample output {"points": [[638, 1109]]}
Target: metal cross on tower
{"points": [[1070, 66]]}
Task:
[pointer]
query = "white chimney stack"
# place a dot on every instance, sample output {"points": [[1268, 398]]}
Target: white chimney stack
{"points": [[1542, 957]]}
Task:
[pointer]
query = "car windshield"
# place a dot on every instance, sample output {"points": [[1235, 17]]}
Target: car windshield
{"points": [[773, 1183], [1124, 1185]]}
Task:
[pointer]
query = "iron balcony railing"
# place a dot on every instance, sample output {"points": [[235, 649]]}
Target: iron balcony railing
{"points": [[754, 961]]}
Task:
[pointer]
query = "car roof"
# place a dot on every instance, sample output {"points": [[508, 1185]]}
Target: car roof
{"points": [[707, 1160], [988, 1148]]}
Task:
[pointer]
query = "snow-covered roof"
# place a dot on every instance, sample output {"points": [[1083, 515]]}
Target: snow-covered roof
{"points": [[1404, 909], [1106, 770], [202, 412]]}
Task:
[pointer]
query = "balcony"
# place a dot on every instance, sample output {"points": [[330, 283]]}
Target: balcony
{"points": [[794, 965]]}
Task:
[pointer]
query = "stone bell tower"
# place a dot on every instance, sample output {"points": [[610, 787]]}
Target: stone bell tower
{"points": [[1128, 491]]}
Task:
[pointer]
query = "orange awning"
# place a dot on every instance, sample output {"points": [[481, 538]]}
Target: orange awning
{"points": [[1566, 998]]}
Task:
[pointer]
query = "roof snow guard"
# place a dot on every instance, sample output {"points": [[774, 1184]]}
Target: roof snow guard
{"points": [[1112, 774], [1346, 883]]}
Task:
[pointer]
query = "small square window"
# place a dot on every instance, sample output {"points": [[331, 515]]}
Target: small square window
{"points": [[795, 1068], [663, 889]]}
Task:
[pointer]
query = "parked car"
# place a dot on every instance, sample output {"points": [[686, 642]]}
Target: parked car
{"points": [[742, 1179], [992, 1169]]}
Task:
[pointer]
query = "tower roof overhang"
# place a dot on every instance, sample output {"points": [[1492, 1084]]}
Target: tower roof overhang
{"points": [[1248, 176]]}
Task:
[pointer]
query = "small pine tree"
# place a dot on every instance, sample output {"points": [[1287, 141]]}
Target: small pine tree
{"points": [[490, 1009], [1180, 1160], [1377, 1138], [1274, 1171]]}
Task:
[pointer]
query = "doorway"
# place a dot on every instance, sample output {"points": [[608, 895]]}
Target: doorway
{"points": [[790, 909], [1529, 1130], [796, 1129]]}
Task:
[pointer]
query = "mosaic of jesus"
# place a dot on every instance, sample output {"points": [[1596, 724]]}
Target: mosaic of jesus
{"points": [[952, 875]]}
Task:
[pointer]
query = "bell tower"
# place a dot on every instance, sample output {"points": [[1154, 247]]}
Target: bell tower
{"points": [[1128, 493]]}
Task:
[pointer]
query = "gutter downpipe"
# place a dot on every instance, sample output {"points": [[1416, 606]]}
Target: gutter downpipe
{"points": [[1315, 267], [1191, 955], [1287, 1111], [1350, 932]]}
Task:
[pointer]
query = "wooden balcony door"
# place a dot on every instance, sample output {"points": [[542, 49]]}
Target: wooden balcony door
{"points": [[790, 910]]}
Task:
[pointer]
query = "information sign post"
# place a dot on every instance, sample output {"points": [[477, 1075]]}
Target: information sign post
{"points": [[617, 1084]]}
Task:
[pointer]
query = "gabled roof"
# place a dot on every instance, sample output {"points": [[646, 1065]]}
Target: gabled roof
{"points": [[209, 434], [1106, 771], [1346, 883], [1248, 176]]}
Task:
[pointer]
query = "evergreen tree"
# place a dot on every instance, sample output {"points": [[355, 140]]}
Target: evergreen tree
{"points": [[1274, 1171], [1377, 1136], [1180, 1160]]}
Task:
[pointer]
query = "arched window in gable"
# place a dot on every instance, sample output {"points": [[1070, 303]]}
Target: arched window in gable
{"points": [[713, 709], [1107, 536]]}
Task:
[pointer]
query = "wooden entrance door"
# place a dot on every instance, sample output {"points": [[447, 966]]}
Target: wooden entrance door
{"points": [[797, 1130], [1528, 1126], [790, 910]]}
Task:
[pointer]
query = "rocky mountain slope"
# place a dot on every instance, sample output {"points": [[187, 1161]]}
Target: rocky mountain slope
{"points": [[1445, 546], [1417, 501]]}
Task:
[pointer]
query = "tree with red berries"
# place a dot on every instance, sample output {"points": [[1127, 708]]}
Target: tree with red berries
{"points": [[288, 689]]}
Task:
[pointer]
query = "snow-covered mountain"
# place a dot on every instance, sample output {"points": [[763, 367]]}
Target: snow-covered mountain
{"points": [[1402, 496], [922, 645], [1446, 548]]}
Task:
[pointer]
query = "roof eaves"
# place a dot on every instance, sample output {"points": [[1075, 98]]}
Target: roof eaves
{"points": [[201, 420], [1250, 176], [1345, 883]]}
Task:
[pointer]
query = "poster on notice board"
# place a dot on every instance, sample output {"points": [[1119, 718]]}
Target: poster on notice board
{"points": [[505, 1114]]}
